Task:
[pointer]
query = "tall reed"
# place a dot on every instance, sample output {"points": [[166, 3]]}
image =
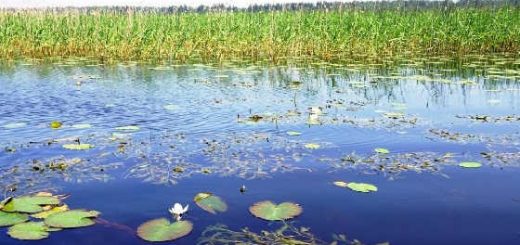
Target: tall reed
{"points": [[273, 35]]}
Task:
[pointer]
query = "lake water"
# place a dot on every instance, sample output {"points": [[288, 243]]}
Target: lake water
{"points": [[284, 132]]}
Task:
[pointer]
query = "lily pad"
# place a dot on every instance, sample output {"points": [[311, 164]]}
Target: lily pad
{"points": [[81, 126], [29, 204], [312, 146], [29, 231], [56, 124], [268, 210], [77, 147], [210, 203], [470, 164], [393, 115], [161, 230], [8, 219], [361, 187], [341, 184], [293, 133], [72, 219], [171, 107], [382, 150], [128, 128], [45, 214], [15, 125]]}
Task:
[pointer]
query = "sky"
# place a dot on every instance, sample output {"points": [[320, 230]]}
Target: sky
{"points": [[151, 3]]}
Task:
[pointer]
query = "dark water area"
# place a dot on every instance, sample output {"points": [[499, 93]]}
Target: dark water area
{"points": [[286, 133]]}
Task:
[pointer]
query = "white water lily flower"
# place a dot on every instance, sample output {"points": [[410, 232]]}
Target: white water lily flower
{"points": [[177, 210]]}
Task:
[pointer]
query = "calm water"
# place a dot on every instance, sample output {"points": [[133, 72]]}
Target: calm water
{"points": [[208, 128]]}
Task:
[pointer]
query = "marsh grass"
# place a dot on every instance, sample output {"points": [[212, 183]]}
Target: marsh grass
{"points": [[269, 35]]}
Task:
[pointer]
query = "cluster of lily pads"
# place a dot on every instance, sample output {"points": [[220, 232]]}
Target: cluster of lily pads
{"points": [[36, 216], [162, 229]]}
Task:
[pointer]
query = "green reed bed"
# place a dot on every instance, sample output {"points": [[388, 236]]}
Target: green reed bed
{"points": [[276, 35]]}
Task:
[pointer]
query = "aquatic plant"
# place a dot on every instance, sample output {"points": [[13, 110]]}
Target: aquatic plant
{"points": [[334, 34], [288, 233], [268, 210], [470, 164], [47, 214], [71, 218], [362, 187], [210, 202], [77, 147], [161, 230], [29, 231]]}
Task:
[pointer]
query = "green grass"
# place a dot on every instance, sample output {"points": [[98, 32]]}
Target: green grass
{"points": [[274, 36]]}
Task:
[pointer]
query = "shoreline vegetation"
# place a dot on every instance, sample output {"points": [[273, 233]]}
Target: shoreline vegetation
{"points": [[327, 32]]}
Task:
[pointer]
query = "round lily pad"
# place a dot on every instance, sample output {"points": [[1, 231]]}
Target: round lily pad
{"points": [[8, 219], [128, 128], [81, 126], [29, 204], [77, 147], [393, 115], [171, 107], [270, 211], [15, 125], [161, 230], [210, 202], [312, 146], [72, 219], [293, 133], [29, 231], [361, 187], [470, 164], [56, 124], [382, 150]]}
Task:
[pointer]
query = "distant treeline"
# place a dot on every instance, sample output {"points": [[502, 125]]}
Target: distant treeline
{"points": [[365, 6]]}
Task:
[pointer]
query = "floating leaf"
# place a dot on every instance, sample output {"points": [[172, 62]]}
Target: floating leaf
{"points": [[29, 204], [393, 115], [382, 150], [270, 211], [8, 219], [56, 124], [82, 126], [341, 184], [470, 164], [29, 231], [72, 219], [171, 107], [312, 146], [210, 202], [293, 133], [45, 214], [161, 230], [128, 128], [361, 187], [77, 147], [15, 125]]}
